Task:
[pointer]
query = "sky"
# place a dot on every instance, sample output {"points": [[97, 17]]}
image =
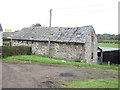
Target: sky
{"points": [[102, 14]]}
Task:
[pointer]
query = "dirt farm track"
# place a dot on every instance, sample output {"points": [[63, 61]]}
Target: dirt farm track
{"points": [[16, 75]]}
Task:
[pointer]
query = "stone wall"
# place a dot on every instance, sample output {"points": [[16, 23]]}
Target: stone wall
{"points": [[91, 47], [66, 51], [1, 41], [95, 59]]}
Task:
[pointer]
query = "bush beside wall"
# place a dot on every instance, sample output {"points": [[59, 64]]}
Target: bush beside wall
{"points": [[15, 50]]}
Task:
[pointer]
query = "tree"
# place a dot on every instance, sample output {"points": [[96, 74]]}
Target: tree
{"points": [[36, 25], [108, 37]]}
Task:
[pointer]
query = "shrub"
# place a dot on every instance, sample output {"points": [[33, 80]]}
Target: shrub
{"points": [[15, 50]]}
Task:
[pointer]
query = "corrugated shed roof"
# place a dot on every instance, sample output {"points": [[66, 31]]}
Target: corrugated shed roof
{"points": [[58, 34], [108, 48]]}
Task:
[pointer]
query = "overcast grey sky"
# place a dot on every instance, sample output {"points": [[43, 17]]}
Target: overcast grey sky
{"points": [[102, 14]]}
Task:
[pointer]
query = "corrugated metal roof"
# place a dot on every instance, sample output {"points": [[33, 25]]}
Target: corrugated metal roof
{"points": [[108, 48], [58, 34]]}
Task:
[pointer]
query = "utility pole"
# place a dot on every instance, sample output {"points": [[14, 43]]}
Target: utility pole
{"points": [[49, 32], [50, 17]]}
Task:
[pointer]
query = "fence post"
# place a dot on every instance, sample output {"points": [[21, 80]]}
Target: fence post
{"points": [[108, 63]]}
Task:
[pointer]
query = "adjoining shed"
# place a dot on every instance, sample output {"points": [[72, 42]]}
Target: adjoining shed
{"points": [[7, 38], [71, 44], [106, 54]]}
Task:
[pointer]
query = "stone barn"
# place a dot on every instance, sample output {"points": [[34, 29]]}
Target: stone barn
{"points": [[71, 44]]}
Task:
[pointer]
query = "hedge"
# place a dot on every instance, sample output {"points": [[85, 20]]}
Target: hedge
{"points": [[15, 50], [108, 41], [6, 39]]}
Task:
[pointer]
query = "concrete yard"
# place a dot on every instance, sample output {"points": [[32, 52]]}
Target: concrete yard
{"points": [[16, 75]]}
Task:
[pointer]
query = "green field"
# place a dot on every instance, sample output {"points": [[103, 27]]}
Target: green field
{"points": [[46, 60], [112, 45]]}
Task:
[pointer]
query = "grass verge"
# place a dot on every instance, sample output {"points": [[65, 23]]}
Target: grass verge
{"points": [[45, 60], [90, 83]]}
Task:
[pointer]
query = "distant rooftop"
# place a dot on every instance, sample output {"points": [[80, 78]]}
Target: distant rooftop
{"points": [[8, 34]]}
